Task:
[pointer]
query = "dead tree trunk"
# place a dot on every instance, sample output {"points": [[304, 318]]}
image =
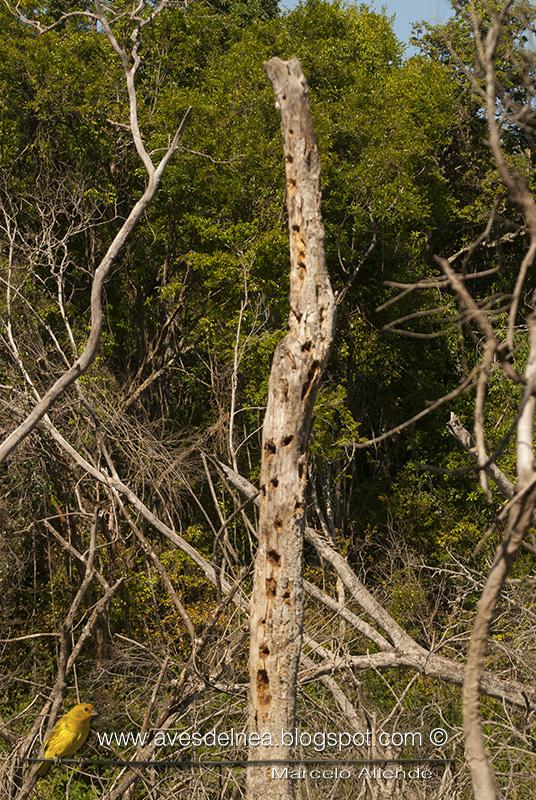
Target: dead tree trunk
{"points": [[277, 599]]}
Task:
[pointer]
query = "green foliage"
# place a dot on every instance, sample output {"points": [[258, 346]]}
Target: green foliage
{"points": [[203, 283]]}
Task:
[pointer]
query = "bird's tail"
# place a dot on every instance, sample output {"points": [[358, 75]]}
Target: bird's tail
{"points": [[43, 769]]}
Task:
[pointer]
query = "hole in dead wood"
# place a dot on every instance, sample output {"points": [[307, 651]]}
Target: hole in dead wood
{"points": [[278, 524], [270, 446], [298, 505], [287, 439], [263, 490], [290, 130], [289, 158], [286, 595], [300, 469], [306, 346], [263, 682], [296, 228], [274, 482], [271, 587], [264, 650], [273, 556]]}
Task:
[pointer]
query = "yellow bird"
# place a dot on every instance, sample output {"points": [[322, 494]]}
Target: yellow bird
{"points": [[68, 734]]}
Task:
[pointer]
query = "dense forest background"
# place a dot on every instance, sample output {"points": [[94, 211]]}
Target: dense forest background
{"points": [[194, 307]]}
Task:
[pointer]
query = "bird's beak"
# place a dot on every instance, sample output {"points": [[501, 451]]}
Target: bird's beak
{"points": [[94, 714]]}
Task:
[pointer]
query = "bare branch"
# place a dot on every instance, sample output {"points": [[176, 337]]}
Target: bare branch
{"points": [[404, 651], [89, 352], [520, 516], [464, 386]]}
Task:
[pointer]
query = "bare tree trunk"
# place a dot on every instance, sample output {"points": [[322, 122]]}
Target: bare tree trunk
{"points": [[277, 600]]}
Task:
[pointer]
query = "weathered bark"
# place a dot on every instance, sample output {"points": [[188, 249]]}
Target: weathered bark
{"points": [[277, 601]]}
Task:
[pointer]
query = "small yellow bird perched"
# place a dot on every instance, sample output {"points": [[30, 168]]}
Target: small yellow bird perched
{"points": [[68, 734]]}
